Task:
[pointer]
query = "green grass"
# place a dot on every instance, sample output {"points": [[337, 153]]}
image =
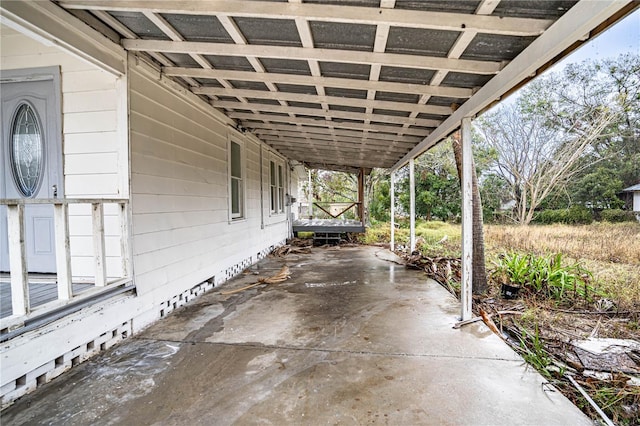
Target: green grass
{"points": [[429, 236], [609, 251]]}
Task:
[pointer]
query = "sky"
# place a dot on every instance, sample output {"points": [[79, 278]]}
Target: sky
{"points": [[623, 37]]}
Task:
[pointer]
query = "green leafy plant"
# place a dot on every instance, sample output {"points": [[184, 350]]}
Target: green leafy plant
{"points": [[544, 275], [533, 352]]}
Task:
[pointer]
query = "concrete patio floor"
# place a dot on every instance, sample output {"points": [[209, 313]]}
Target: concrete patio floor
{"points": [[350, 338]]}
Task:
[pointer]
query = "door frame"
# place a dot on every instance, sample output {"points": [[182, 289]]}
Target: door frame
{"points": [[54, 142], [52, 132]]}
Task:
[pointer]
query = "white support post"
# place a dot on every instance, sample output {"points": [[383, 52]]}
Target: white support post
{"points": [[467, 220], [412, 204], [97, 214], [392, 193], [63, 256], [18, 260], [125, 251], [310, 209]]}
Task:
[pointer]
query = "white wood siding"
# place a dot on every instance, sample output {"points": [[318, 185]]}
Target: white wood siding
{"points": [[95, 146], [180, 196]]}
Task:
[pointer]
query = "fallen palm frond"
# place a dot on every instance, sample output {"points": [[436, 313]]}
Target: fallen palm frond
{"points": [[281, 276], [445, 270], [293, 246]]}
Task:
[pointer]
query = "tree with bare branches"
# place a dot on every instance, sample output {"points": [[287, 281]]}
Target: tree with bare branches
{"points": [[534, 156]]}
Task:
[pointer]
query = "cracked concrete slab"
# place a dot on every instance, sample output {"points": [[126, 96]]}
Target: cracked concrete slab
{"points": [[350, 338]]}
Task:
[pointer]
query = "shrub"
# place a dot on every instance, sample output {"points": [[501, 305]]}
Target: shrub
{"points": [[544, 275], [579, 215], [547, 217], [575, 215], [616, 216]]}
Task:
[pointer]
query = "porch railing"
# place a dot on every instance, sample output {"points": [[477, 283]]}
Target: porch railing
{"points": [[18, 269], [337, 210]]}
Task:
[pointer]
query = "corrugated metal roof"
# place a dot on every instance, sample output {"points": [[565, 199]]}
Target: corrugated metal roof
{"points": [[390, 69]]}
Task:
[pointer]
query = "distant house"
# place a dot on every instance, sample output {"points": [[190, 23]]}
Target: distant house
{"points": [[633, 198]]}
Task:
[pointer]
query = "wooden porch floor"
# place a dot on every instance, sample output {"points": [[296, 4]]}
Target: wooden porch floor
{"points": [[42, 289], [328, 225]]}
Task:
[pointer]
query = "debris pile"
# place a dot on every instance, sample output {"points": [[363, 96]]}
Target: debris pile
{"points": [[569, 348], [582, 349], [281, 276], [444, 270], [293, 246]]}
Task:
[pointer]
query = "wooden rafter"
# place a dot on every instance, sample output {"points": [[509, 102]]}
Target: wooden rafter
{"points": [[342, 83], [317, 99], [246, 117], [315, 12], [316, 112], [301, 53]]}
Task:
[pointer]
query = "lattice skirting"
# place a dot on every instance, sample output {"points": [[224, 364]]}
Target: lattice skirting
{"points": [[52, 369]]}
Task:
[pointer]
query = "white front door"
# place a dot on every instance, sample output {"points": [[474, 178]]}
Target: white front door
{"points": [[31, 159]]}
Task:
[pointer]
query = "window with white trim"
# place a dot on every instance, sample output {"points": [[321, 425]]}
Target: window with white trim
{"points": [[276, 187], [236, 180], [281, 187]]}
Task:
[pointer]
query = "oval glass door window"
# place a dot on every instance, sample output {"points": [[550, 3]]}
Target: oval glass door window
{"points": [[27, 150]]}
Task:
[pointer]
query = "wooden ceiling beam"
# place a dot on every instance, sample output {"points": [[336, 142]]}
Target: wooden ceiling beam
{"points": [[316, 112], [339, 140], [341, 83], [328, 13], [305, 54], [322, 123], [322, 145], [286, 130], [317, 99]]}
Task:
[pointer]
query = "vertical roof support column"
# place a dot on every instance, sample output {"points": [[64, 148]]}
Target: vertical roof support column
{"points": [[392, 194], [412, 205], [361, 195], [467, 220], [310, 194]]}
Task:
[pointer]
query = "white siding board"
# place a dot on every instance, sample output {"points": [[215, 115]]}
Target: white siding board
{"points": [[149, 97], [90, 122], [146, 223], [83, 246], [156, 203], [187, 126], [88, 81], [167, 131], [96, 100], [151, 165], [91, 164], [86, 267], [96, 142], [172, 186], [79, 186]]}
